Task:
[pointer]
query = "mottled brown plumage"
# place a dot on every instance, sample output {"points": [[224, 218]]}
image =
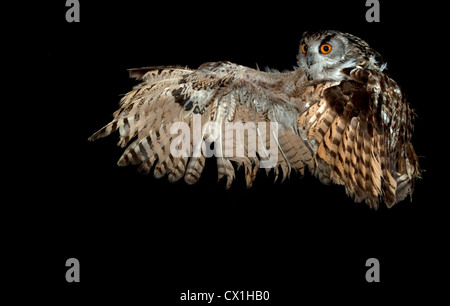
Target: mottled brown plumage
{"points": [[353, 129]]}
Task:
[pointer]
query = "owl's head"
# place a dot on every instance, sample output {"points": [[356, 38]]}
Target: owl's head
{"points": [[324, 54]]}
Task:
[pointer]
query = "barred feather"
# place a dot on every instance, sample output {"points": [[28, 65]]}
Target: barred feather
{"points": [[362, 142]]}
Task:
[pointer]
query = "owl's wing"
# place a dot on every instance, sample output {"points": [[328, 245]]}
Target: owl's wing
{"points": [[170, 119], [360, 131]]}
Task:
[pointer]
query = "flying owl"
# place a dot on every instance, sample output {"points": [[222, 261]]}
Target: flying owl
{"points": [[338, 114]]}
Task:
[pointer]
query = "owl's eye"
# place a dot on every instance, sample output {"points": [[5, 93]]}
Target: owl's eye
{"points": [[304, 48], [325, 48]]}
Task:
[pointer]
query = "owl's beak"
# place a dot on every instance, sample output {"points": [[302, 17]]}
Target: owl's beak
{"points": [[309, 61]]}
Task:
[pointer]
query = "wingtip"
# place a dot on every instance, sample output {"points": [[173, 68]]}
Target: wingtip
{"points": [[137, 73], [93, 137], [99, 134]]}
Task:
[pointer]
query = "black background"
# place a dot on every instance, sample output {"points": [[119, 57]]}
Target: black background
{"points": [[139, 238]]}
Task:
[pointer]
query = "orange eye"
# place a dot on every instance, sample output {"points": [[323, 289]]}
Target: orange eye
{"points": [[304, 48], [325, 48]]}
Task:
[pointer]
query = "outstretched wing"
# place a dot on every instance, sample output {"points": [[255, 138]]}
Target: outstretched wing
{"points": [[170, 119], [360, 131], [355, 133]]}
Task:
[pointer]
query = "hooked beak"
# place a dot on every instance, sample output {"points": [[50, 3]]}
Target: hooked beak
{"points": [[309, 61]]}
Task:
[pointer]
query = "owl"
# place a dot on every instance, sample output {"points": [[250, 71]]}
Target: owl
{"points": [[324, 55], [337, 114]]}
